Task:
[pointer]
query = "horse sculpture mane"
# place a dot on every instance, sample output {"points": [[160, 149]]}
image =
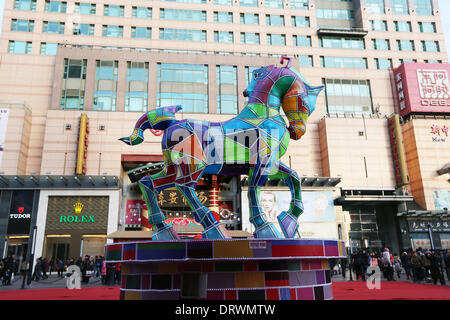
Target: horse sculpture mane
{"points": [[250, 143]]}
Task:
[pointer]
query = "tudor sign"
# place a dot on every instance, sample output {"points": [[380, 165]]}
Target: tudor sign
{"points": [[422, 88]]}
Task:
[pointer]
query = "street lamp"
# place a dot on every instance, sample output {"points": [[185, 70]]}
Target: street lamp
{"points": [[430, 234], [31, 262]]}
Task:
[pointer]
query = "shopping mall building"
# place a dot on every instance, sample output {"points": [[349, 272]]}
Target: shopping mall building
{"points": [[75, 77]]}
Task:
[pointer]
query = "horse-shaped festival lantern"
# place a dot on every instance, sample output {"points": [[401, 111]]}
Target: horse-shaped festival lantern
{"points": [[251, 143]]}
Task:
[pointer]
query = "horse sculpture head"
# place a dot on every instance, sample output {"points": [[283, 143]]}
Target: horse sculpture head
{"points": [[284, 86]]}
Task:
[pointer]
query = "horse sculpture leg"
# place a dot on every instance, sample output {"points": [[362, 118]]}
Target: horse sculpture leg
{"points": [[257, 177], [150, 187], [289, 220]]}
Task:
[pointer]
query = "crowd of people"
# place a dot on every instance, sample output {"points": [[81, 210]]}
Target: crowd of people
{"points": [[8, 269], [421, 265]]}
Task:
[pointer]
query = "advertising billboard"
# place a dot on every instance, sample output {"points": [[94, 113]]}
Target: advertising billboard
{"points": [[422, 88], [20, 212], [3, 126]]}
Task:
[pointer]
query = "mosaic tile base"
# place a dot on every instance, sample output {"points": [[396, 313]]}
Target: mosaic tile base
{"points": [[272, 269]]}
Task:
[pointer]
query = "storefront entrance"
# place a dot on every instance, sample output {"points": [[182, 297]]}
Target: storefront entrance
{"points": [[17, 248]]}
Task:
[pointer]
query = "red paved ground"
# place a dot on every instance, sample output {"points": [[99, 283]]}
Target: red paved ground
{"points": [[355, 290]]}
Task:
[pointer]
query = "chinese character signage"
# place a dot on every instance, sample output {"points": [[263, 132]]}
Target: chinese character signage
{"points": [[439, 133], [171, 198], [422, 88], [3, 125], [422, 226]]}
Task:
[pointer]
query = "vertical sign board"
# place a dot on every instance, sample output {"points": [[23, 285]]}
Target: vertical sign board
{"points": [[3, 126], [422, 88], [398, 151], [20, 212], [82, 145]]}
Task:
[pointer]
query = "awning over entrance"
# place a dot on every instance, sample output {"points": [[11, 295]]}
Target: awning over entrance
{"points": [[16, 182], [306, 182], [371, 197]]}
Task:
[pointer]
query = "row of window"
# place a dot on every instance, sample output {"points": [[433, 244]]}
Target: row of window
{"points": [[421, 7], [118, 11], [402, 26], [405, 45]]}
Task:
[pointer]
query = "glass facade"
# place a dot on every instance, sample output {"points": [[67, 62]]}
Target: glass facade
{"points": [[182, 34], [187, 1], [187, 15], [183, 84], [141, 33], [343, 62], [378, 25], [306, 61], [249, 18], [53, 27], [141, 12], [274, 3], [113, 11], [83, 29], [340, 14], [341, 43], [248, 3], [348, 96], [375, 6], [223, 17], [49, 48], [55, 6], [224, 2], [22, 25], [74, 80], [405, 45], [223, 36], [250, 38], [301, 41], [112, 31], [381, 44], [29, 5], [430, 46], [402, 26], [227, 94], [137, 86], [249, 74], [298, 4], [300, 21], [105, 86], [427, 27], [364, 228], [423, 7], [20, 47], [399, 6], [383, 64]]}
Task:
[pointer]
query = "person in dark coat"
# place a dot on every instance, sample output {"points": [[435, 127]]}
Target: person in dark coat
{"points": [[435, 267], [37, 270], [343, 266], [364, 264]]}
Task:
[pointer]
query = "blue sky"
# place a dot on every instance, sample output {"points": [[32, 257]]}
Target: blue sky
{"points": [[444, 6]]}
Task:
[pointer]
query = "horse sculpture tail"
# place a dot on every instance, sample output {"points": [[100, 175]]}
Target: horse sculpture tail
{"points": [[157, 119]]}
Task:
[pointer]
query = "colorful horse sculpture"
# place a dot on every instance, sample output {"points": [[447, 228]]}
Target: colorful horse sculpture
{"points": [[250, 143]]}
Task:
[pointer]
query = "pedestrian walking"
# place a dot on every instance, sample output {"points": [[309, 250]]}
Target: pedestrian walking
{"points": [[24, 272], [60, 268]]}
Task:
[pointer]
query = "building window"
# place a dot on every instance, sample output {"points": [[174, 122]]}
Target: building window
{"points": [[273, 3], [430, 46], [74, 80], [300, 21], [301, 41], [224, 2], [83, 29], [343, 62], [306, 61], [378, 25], [22, 25], [348, 97], [187, 15], [223, 36], [383, 64], [85, 8], [405, 45], [375, 6], [182, 34], [223, 17], [341, 43], [427, 27], [55, 6], [227, 96], [381, 44], [407, 60], [249, 18], [432, 61], [423, 7], [182, 84], [105, 86], [141, 12], [399, 6], [274, 20], [335, 14], [20, 47], [299, 4], [276, 39], [141, 33], [250, 38], [248, 3], [137, 86], [49, 49], [29, 5], [249, 75], [53, 27], [113, 11], [402, 26], [112, 31], [187, 1]]}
